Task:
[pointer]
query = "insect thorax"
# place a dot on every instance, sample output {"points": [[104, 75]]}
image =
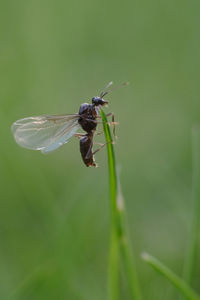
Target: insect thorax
{"points": [[88, 116]]}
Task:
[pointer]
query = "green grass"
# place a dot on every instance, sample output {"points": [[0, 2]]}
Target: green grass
{"points": [[53, 210], [119, 244], [183, 285], [179, 283]]}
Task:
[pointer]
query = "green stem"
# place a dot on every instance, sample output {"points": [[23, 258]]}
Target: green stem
{"points": [[179, 283], [114, 245], [127, 255], [193, 238], [129, 266], [113, 272], [119, 239]]}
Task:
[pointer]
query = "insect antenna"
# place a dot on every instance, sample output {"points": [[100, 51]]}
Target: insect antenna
{"points": [[103, 93]]}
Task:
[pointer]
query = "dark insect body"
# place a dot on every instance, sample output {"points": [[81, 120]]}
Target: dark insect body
{"points": [[48, 132], [86, 144], [88, 120]]}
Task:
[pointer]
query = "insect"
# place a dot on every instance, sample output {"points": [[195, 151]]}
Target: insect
{"points": [[48, 132]]}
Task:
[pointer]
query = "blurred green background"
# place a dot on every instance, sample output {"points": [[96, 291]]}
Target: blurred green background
{"points": [[54, 212]]}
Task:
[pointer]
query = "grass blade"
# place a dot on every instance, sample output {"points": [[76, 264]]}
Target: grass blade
{"points": [[126, 253], [179, 283], [114, 244], [119, 239]]}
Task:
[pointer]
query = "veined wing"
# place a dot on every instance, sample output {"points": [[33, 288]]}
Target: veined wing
{"points": [[45, 133]]}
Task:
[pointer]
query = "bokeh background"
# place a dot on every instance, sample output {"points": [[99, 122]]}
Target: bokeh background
{"points": [[54, 212]]}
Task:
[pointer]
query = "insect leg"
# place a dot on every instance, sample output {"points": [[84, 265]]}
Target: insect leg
{"points": [[101, 146], [99, 133], [79, 135], [112, 123]]}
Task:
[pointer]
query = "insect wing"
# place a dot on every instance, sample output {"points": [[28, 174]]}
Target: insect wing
{"points": [[45, 133]]}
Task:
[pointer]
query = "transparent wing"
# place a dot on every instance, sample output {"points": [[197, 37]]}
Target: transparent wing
{"points": [[45, 133]]}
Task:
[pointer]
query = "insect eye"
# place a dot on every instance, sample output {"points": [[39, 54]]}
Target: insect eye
{"points": [[95, 100]]}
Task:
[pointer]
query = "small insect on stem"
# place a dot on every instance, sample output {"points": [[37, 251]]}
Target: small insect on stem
{"points": [[48, 132]]}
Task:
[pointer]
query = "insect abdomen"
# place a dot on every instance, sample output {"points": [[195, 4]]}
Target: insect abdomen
{"points": [[86, 144]]}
